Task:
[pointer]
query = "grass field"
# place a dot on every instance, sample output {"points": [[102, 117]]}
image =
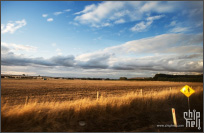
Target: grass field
{"points": [[72, 105]]}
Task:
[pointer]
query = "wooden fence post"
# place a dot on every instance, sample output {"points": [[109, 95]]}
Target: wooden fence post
{"points": [[27, 98]]}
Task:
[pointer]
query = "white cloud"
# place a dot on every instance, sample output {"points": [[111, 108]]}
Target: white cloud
{"points": [[87, 9], [95, 14], [50, 19], [152, 18], [17, 47], [120, 14], [159, 7], [44, 15], [173, 23], [57, 13], [139, 27], [179, 29], [120, 21], [106, 24], [11, 27], [149, 6]]}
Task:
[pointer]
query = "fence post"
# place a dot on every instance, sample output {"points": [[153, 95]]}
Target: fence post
{"points": [[27, 98], [170, 88], [141, 91]]}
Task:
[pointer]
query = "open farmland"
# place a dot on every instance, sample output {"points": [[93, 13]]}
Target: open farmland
{"points": [[62, 105]]}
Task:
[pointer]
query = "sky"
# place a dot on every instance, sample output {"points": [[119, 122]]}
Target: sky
{"points": [[101, 39]]}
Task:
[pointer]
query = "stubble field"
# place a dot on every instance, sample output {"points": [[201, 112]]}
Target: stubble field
{"points": [[72, 105]]}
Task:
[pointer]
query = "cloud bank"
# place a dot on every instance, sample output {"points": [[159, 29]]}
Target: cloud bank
{"points": [[116, 12], [166, 52]]}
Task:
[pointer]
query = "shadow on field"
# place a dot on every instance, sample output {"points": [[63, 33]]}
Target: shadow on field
{"points": [[137, 114]]}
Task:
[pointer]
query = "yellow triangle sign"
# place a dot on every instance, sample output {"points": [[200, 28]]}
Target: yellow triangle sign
{"points": [[187, 90]]}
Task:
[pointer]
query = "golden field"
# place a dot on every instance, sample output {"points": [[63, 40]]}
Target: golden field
{"points": [[72, 105]]}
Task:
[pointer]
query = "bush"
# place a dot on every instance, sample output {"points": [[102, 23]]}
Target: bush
{"points": [[123, 78]]}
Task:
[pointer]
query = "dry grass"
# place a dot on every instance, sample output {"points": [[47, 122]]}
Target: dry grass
{"points": [[14, 91], [129, 111]]}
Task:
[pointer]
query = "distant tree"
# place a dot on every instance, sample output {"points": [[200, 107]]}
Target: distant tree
{"points": [[23, 74], [123, 78]]}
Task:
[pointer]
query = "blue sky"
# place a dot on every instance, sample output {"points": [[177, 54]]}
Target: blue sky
{"points": [[106, 39]]}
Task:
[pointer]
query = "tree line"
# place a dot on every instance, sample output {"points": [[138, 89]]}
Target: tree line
{"points": [[167, 77]]}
